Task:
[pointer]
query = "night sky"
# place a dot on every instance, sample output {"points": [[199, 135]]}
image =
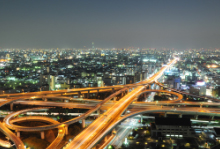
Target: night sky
{"points": [[110, 23]]}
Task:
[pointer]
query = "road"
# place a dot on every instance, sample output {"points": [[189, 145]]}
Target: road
{"points": [[88, 137], [18, 143], [123, 132], [52, 126], [181, 92], [95, 131]]}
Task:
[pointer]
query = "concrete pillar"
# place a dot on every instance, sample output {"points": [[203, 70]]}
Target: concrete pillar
{"points": [[141, 118], [42, 135], [180, 116], [213, 117], [113, 90], [196, 117], [45, 99], [11, 106], [97, 94], [98, 112], [18, 134], [115, 98], [200, 106], [88, 94], [178, 105], [79, 93], [66, 129], [165, 114], [83, 123]]}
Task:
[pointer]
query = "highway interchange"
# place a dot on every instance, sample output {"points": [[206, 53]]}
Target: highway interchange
{"points": [[115, 110]]}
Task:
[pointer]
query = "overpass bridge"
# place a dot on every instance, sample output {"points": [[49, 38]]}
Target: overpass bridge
{"points": [[109, 119]]}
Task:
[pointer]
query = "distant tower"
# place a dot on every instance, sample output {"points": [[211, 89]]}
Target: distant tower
{"points": [[7, 56], [93, 46]]}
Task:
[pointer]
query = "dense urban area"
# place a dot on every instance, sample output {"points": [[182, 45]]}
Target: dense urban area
{"points": [[60, 92]]}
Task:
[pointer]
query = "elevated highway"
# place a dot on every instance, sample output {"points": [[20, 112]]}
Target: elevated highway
{"points": [[66, 123], [61, 129], [18, 143], [88, 137], [188, 111], [95, 131], [185, 93]]}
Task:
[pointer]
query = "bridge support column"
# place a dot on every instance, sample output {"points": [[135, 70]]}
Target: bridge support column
{"points": [[66, 129], [200, 106], [97, 93], [83, 123], [79, 94], [145, 95], [98, 111], [149, 86], [180, 116], [196, 117], [88, 95], [42, 135], [213, 117], [115, 98], [45, 99], [113, 90], [18, 134], [11, 106], [165, 114], [141, 119]]}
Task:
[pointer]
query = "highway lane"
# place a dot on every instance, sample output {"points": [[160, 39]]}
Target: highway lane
{"points": [[88, 137], [71, 121], [180, 97], [181, 92], [61, 129], [5, 144], [66, 91], [58, 104], [187, 110], [18, 143], [105, 106], [123, 132]]}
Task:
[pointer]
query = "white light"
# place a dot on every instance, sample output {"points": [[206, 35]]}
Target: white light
{"points": [[200, 83]]}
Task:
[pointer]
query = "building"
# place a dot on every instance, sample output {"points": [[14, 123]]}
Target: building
{"points": [[198, 89], [171, 127]]}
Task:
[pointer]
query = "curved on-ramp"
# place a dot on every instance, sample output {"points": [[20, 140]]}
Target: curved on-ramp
{"points": [[180, 97], [205, 97], [18, 143], [61, 129], [187, 111], [71, 121]]}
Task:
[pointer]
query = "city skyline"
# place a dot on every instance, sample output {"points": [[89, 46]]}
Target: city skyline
{"points": [[112, 24]]}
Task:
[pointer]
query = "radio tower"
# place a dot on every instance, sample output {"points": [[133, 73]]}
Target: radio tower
{"points": [[93, 46]]}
